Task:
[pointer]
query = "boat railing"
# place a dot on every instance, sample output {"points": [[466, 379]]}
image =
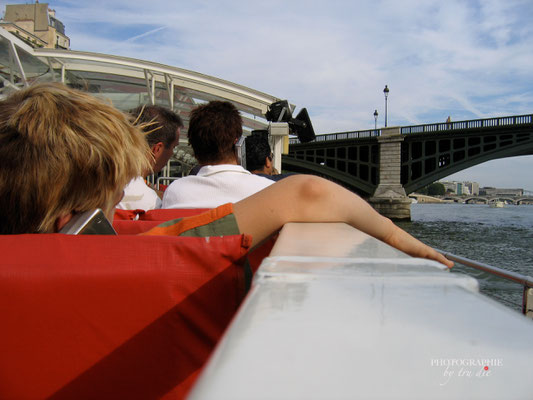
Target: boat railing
{"points": [[524, 280], [365, 313]]}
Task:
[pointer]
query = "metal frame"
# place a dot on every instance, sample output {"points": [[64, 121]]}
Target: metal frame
{"points": [[205, 87], [525, 281]]}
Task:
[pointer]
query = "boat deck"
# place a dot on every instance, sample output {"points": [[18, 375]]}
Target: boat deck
{"points": [[334, 313]]}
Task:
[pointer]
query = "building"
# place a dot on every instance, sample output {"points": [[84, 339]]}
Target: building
{"points": [[473, 187], [36, 24], [489, 191], [461, 188]]}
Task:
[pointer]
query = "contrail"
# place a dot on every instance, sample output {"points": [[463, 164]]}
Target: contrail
{"points": [[145, 34]]}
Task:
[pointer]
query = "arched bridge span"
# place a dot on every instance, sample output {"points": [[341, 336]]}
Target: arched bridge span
{"points": [[353, 164], [425, 153]]}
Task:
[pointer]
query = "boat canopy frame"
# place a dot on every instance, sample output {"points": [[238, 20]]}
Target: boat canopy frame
{"points": [[127, 82]]}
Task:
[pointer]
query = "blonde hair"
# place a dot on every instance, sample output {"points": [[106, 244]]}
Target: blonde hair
{"points": [[62, 151]]}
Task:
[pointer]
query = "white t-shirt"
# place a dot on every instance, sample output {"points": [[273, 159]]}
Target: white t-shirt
{"points": [[137, 195], [213, 186]]}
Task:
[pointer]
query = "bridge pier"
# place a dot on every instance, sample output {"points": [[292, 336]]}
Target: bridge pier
{"points": [[389, 198]]}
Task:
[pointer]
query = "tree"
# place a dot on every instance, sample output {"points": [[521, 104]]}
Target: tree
{"points": [[436, 189], [423, 190]]}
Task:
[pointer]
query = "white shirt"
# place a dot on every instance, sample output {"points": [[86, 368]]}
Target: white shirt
{"points": [[137, 195], [213, 186]]}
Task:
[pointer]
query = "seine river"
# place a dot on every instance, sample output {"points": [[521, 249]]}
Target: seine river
{"points": [[501, 237]]}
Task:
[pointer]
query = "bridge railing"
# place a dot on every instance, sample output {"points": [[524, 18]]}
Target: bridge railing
{"points": [[342, 135], [472, 124], [437, 127]]}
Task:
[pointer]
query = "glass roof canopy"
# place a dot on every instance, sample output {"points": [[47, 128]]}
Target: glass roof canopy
{"points": [[127, 82]]}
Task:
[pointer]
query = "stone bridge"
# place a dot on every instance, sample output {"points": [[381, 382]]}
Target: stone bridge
{"points": [[490, 199]]}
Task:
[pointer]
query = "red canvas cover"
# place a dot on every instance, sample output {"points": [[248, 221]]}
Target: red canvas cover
{"points": [[166, 214], [126, 222], [118, 317], [128, 215], [124, 227], [162, 214]]}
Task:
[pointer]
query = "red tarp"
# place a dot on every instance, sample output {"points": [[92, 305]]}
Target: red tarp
{"points": [[118, 317], [124, 225]]}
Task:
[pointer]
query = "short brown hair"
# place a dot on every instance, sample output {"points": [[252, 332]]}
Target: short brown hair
{"points": [[62, 151], [213, 130], [159, 123]]}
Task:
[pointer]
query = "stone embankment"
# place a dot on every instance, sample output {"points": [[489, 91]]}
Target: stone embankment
{"points": [[421, 198]]}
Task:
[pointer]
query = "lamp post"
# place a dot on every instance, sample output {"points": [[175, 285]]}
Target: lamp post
{"points": [[386, 93], [375, 119]]}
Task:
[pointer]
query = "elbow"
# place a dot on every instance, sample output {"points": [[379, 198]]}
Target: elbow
{"points": [[308, 189], [312, 187]]}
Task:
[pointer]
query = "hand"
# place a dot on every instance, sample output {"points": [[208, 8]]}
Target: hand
{"points": [[403, 241]]}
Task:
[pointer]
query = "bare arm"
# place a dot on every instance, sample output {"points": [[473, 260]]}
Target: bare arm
{"points": [[304, 198]]}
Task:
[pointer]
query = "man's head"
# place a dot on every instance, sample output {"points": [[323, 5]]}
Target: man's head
{"points": [[258, 153], [162, 128], [63, 152], [214, 128]]}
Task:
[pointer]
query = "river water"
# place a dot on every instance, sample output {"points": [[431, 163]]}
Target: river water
{"points": [[501, 237]]}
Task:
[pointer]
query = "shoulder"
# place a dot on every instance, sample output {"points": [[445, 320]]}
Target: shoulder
{"points": [[135, 183]]}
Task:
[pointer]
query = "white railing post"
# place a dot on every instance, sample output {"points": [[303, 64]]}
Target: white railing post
{"points": [[279, 131]]}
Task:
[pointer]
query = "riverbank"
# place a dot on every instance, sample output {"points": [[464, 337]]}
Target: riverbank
{"points": [[422, 198]]}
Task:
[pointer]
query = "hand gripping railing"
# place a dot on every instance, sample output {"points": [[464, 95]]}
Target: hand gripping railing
{"points": [[524, 280]]}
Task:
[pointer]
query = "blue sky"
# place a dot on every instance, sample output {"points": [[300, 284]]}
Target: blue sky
{"points": [[459, 58]]}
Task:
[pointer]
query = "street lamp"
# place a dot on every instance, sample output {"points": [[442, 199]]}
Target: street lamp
{"points": [[386, 93], [375, 119]]}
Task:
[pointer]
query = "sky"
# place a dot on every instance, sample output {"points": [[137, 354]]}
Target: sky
{"points": [[467, 59]]}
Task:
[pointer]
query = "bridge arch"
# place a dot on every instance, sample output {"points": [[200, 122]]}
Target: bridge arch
{"points": [[428, 157], [353, 183], [507, 200], [524, 200], [476, 199], [428, 152], [351, 163]]}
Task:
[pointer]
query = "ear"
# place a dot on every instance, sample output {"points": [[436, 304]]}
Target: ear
{"points": [[61, 221], [268, 166], [157, 149]]}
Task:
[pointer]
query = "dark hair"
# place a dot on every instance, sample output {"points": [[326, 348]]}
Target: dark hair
{"points": [[159, 123], [257, 150], [213, 130]]}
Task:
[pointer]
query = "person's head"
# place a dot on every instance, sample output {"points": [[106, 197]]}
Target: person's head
{"points": [[162, 128], [258, 153], [214, 128], [63, 152]]}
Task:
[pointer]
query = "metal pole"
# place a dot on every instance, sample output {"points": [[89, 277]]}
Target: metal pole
{"points": [[386, 93], [524, 280]]}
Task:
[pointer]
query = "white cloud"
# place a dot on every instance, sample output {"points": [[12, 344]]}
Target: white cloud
{"points": [[468, 59]]}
